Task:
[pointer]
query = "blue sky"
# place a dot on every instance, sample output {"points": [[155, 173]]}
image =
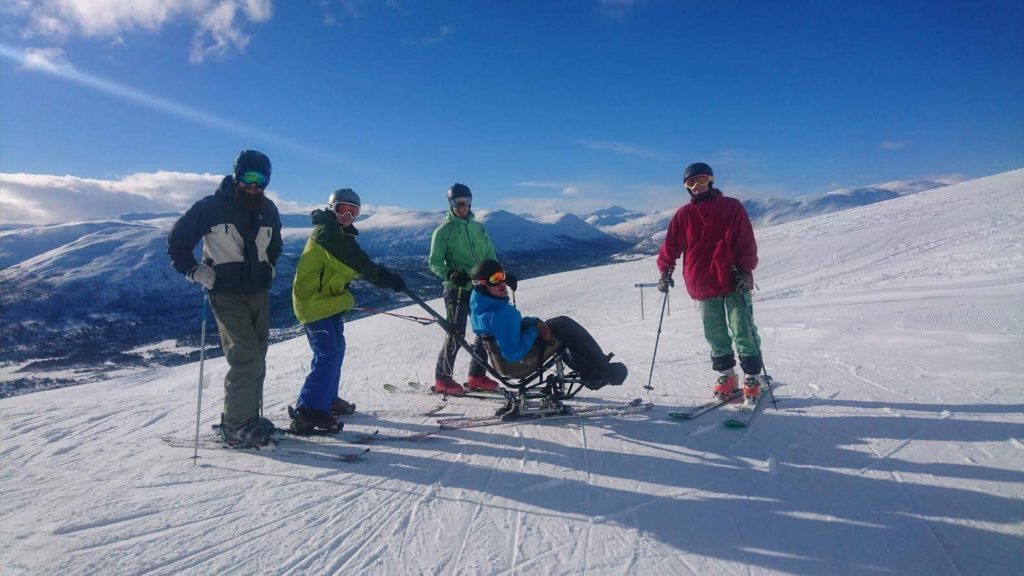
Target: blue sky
{"points": [[537, 105]]}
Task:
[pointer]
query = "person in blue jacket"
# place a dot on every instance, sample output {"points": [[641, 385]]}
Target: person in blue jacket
{"points": [[523, 343]]}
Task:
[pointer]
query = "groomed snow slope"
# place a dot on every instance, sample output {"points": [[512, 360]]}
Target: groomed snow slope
{"points": [[895, 332]]}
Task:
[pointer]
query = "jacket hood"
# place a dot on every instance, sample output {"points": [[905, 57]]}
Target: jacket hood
{"points": [[453, 218], [484, 302], [323, 217], [226, 190]]}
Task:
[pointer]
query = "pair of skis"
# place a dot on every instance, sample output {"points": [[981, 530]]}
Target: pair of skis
{"points": [[742, 414], [285, 442], [632, 407]]}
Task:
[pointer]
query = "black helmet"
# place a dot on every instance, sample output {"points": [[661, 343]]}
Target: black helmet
{"points": [[343, 196], [252, 161], [483, 270], [696, 169], [459, 191]]}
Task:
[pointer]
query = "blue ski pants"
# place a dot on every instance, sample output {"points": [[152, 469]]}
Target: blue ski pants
{"points": [[327, 340]]}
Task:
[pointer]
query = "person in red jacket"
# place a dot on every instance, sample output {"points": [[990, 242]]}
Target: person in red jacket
{"points": [[714, 235]]}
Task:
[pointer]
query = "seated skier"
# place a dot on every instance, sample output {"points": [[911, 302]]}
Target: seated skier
{"points": [[518, 346]]}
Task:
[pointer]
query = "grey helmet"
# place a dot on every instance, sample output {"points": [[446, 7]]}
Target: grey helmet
{"points": [[343, 196]]}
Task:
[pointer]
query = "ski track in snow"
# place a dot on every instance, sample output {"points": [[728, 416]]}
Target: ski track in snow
{"points": [[893, 332]]}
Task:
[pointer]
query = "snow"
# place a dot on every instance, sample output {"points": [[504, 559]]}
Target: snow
{"points": [[894, 332]]}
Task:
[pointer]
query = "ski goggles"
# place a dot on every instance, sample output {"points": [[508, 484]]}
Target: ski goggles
{"points": [[492, 280], [698, 180], [257, 178], [346, 208], [460, 202]]}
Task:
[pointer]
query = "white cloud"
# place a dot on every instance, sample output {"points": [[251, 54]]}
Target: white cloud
{"points": [[618, 148], [44, 198], [572, 191], [894, 144], [52, 61], [617, 8], [49, 60], [220, 24], [540, 184]]}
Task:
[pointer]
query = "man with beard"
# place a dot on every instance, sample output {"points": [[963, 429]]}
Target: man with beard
{"points": [[241, 233]]}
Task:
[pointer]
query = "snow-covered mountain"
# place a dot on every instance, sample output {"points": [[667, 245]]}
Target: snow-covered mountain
{"points": [[647, 229], [894, 332], [73, 293]]}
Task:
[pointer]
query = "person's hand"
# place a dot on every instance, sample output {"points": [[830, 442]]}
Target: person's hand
{"points": [[459, 278], [744, 280], [543, 331], [511, 281], [202, 274], [666, 281], [389, 279]]}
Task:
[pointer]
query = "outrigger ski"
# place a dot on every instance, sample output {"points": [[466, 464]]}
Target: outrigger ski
{"points": [[700, 409]]}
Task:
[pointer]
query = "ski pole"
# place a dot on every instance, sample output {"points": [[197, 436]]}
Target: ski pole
{"points": [[656, 340], [764, 369], [202, 359]]}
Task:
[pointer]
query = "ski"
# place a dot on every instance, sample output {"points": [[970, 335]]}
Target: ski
{"points": [[743, 414], [414, 387], [631, 407], [276, 446], [693, 412], [341, 436]]}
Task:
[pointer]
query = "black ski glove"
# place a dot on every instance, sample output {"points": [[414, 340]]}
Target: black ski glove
{"points": [[511, 281], [666, 281], [744, 280], [458, 278], [389, 279]]}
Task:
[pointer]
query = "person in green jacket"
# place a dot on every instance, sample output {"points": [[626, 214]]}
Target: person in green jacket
{"points": [[330, 260], [456, 246]]}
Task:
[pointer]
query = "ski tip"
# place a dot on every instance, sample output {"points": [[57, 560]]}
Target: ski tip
{"points": [[734, 424], [354, 456]]}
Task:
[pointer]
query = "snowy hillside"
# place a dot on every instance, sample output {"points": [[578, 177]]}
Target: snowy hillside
{"points": [[894, 332]]}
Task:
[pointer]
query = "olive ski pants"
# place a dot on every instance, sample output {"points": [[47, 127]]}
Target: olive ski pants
{"points": [[243, 321]]}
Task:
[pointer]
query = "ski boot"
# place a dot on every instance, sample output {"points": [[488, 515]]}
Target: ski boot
{"points": [[482, 383], [341, 407], [616, 373], [445, 385], [751, 390], [307, 421], [255, 433], [725, 387]]}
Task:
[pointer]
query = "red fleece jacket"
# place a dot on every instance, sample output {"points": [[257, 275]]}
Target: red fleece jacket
{"points": [[712, 235]]}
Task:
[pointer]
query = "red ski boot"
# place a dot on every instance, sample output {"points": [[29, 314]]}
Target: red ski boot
{"points": [[726, 386], [445, 385], [482, 383]]}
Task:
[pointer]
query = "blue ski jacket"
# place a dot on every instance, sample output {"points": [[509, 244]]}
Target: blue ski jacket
{"points": [[497, 318]]}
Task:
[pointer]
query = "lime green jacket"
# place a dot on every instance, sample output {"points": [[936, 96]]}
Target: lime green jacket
{"points": [[458, 244], [330, 260]]}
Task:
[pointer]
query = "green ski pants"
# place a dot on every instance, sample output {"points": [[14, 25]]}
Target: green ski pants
{"points": [[730, 319], [243, 321]]}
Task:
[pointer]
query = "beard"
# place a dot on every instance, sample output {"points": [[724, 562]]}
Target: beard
{"points": [[249, 201]]}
